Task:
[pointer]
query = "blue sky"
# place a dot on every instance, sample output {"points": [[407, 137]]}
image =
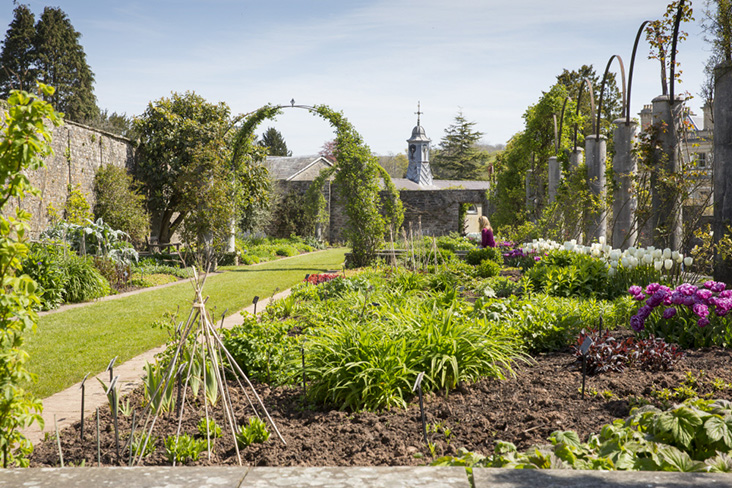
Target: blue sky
{"points": [[373, 60]]}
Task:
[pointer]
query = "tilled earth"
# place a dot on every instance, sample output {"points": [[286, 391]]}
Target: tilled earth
{"points": [[542, 398]]}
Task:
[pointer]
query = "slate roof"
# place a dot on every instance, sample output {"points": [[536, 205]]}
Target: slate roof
{"points": [[288, 168]]}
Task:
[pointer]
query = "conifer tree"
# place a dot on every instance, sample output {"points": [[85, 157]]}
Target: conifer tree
{"points": [[61, 62], [275, 143], [458, 157], [16, 60]]}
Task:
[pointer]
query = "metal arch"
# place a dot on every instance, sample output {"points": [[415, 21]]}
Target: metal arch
{"points": [[561, 124], [585, 81], [602, 88], [632, 64], [677, 22]]}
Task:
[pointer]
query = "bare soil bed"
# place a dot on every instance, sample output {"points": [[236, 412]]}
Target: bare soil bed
{"points": [[542, 398]]}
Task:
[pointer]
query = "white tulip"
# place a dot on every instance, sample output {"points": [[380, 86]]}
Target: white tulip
{"points": [[647, 259], [631, 251], [675, 255], [657, 254], [650, 249], [601, 239], [658, 265], [688, 260], [668, 264], [666, 253], [611, 272], [625, 262]]}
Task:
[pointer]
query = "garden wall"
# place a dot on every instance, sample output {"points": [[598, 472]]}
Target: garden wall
{"points": [[78, 152]]}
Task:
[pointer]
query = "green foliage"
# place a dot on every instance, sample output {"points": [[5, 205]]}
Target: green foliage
{"points": [[208, 178], [264, 351], [184, 448], [142, 445], [158, 395], [59, 60], [209, 428], [119, 205], [77, 209], [24, 142], [42, 266], [454, 242], [458, 157], [254, 433], [477, 256], [84, 282], [275, 144], [570, 274], [96, 238], [488, 268], [290, 216], [16, 57], [695, 436]]}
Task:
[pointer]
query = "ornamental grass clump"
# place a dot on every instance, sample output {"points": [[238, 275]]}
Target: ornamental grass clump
{"points": [[688, 315]]}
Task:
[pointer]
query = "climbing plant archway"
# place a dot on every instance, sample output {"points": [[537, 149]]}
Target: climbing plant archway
{"points": [[357, 173]]}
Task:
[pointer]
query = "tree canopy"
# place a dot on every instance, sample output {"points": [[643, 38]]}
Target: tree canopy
{"points": [[187, 168], [275, 143], [458, 157], [49, 52]]}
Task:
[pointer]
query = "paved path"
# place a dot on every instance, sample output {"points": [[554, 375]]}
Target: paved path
{"points": [[66, 405], [350, 477]]}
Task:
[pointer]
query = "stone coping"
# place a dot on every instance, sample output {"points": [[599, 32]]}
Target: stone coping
{"points": [[346, 477]]}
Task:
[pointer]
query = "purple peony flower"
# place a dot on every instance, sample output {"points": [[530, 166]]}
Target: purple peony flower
{"points": [[687, 289], [718, 287], [704, 295], [723, 306], [677, 298], [669, 312], [725, 294], [656, 299], [708, 284], [644, 312], [635, 290], [652, 288], [637, 323], [702, 322], [701, 310], [689, 301]]}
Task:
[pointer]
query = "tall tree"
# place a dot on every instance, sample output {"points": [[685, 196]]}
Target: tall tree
{"points": [[458, 157], [16, 59], [187, 169], [275, 143], [61, 62]]}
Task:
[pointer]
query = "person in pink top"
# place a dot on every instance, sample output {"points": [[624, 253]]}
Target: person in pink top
{"points": [[486, 232]]}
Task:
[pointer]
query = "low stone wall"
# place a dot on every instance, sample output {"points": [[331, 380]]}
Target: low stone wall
{"points": [[79, 151]]}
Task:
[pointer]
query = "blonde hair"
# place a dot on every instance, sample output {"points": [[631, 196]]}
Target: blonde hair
{"points": [[484, 223]]}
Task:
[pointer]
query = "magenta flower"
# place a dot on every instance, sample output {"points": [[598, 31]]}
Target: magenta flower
{"points": [[702, 322], [652, 288], [687, 289], [704, 295], [637, 323], [635, 290], [725, 294], [701, 310]]}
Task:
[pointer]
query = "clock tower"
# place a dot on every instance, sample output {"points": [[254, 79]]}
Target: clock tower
{"points": [[418, 152]]}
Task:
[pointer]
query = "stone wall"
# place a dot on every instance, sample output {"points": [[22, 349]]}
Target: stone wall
{"points": [[78, 152]]}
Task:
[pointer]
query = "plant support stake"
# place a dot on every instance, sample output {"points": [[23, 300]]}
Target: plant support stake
{"points": [[58, 441], [110, 368], [83, 390], [99, 446], [584, 348], [418, 387]]}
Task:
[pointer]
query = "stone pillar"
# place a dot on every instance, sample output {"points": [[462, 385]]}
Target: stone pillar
{"points": [[529, 189], [576, 158], [666, 201], [596, 150], [722, 163], [625, 167], [554, 177]]}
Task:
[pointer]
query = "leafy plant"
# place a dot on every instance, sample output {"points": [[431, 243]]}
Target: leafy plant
{"points": [[488, 269], [24, 141], [142, 445], [254, 433], [156, 393], [84, 282], [183, 448], [42, 265], [608, 354], [477, 256], [209, 428]]}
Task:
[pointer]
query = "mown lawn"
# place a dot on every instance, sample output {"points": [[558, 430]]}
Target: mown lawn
{"points": [[69, 344]]}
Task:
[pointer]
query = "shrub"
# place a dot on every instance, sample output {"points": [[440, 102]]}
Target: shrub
{"points": [[119, 205], [42, 265], [502, 286], [84, 281], [569, 274], [488, 268], [477, 256], [455, 242], [286, 251]]}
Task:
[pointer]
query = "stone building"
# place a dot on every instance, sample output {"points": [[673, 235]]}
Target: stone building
{"points": [[430, 206]]}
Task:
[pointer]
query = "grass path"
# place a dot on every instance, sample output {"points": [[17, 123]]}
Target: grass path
{"points": [[69, 344]]}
